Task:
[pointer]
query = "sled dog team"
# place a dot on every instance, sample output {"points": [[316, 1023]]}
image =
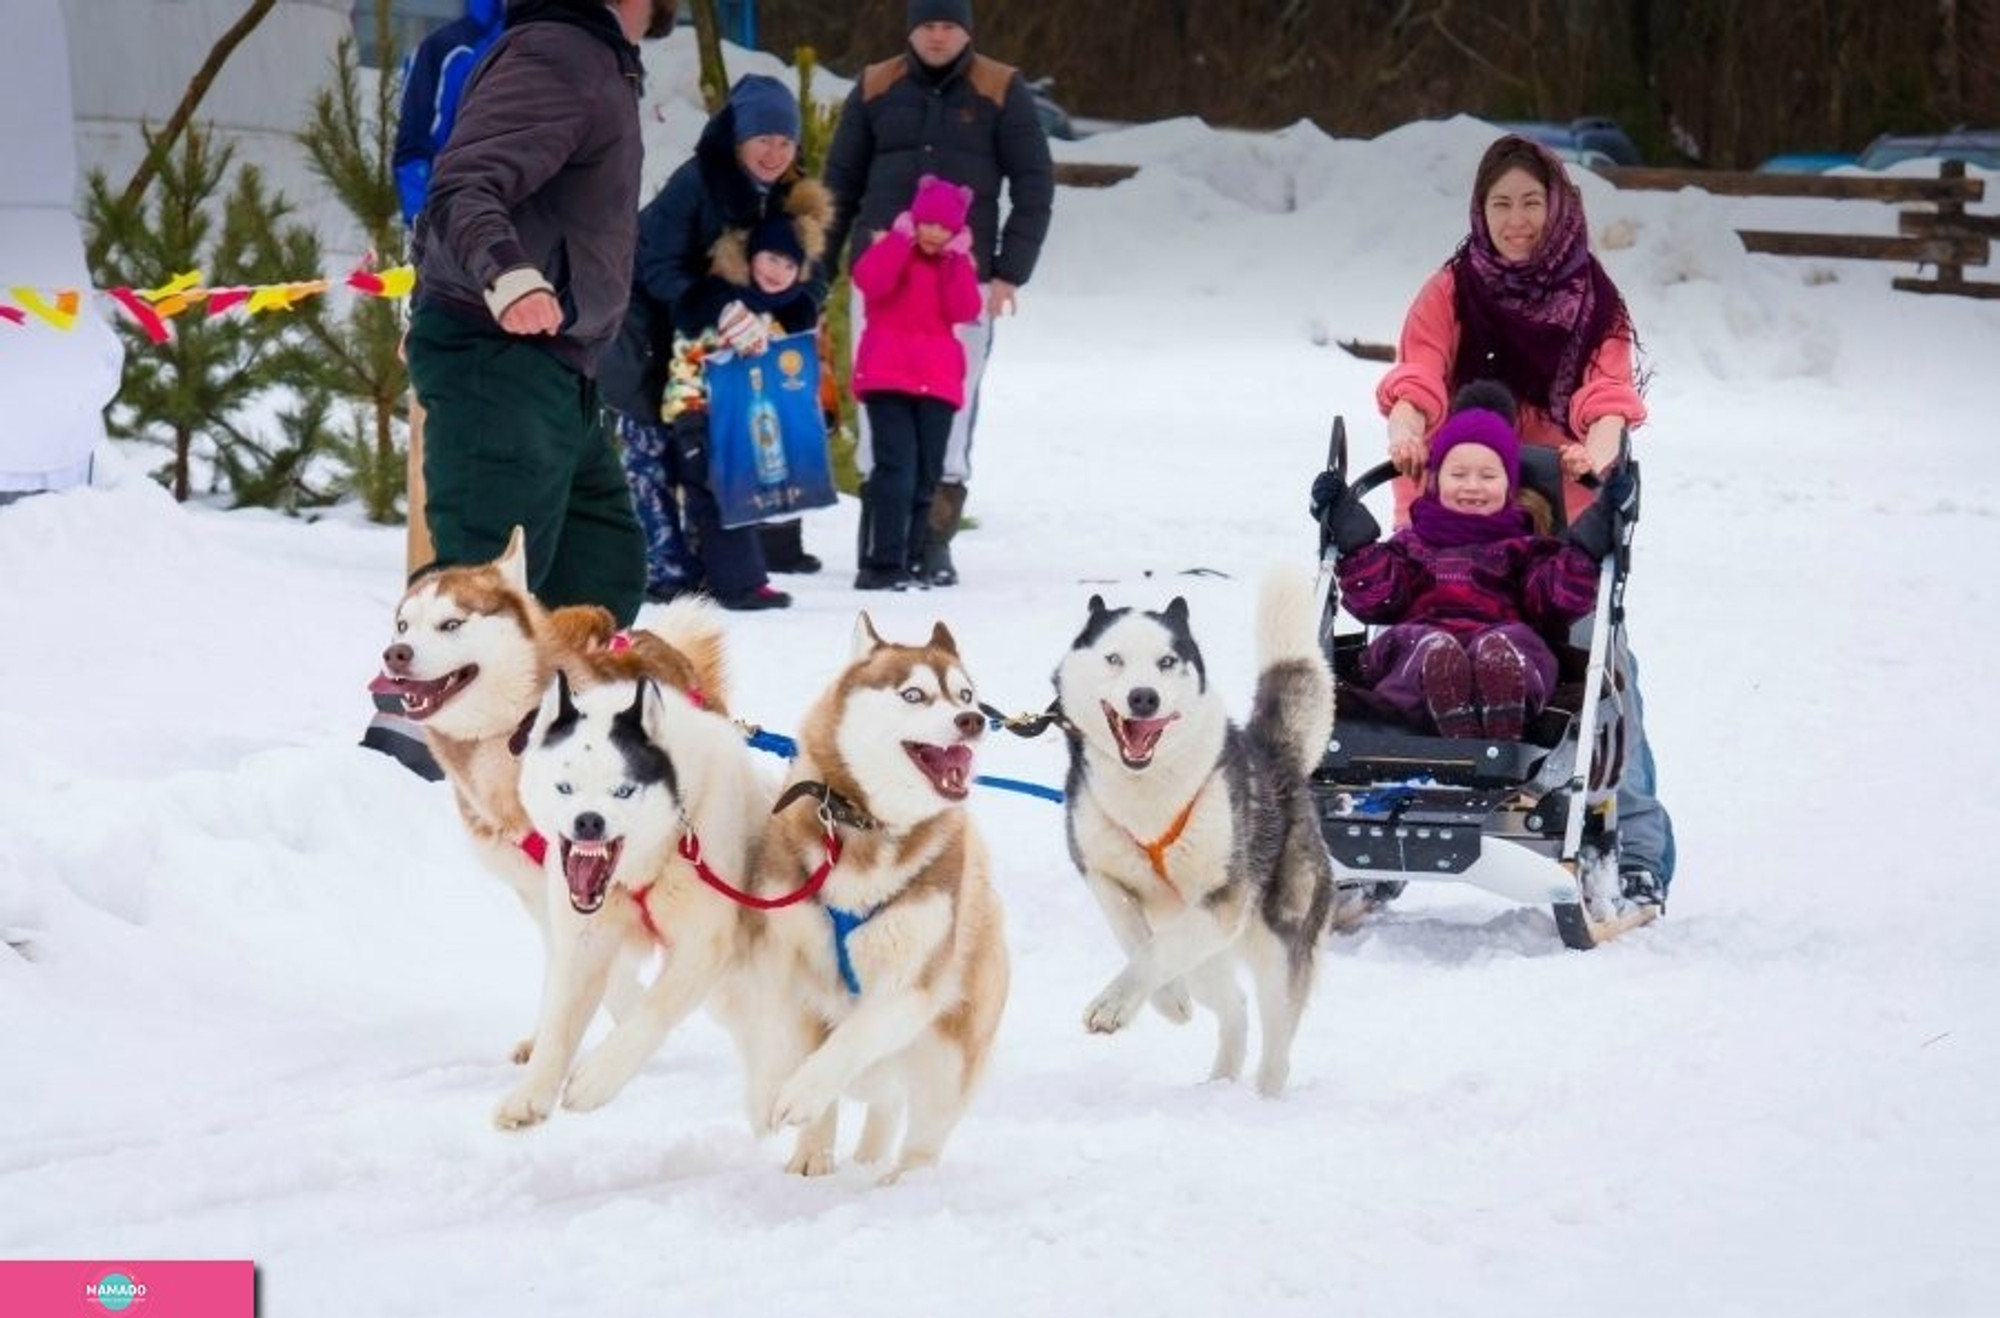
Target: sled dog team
{"points": [[843, 925]]}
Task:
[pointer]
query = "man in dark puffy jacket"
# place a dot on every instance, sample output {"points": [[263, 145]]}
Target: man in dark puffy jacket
{"points": [[524, 262], [940, 108], [433, 80]]}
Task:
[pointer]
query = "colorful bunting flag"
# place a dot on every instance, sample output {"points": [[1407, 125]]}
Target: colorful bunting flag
{"points": [[152, 308]]}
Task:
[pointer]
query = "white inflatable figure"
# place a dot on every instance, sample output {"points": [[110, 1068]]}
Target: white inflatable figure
{"points": [[53, 383]]}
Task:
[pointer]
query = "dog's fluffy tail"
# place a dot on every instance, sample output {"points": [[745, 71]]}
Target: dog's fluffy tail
{"points": [[692, 626], [1293, 714]]}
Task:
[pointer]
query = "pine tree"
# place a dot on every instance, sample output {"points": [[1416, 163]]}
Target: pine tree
{"points": [[351, 149], [817, 123], [194, 395]]}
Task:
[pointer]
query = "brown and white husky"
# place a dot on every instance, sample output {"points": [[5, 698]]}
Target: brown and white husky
{"points": [[887, 984], [473, 653]]}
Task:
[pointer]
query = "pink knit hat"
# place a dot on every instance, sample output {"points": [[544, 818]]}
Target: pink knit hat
{"points": [[940, 202]]}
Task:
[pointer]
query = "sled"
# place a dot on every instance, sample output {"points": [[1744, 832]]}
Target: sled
{"points": [[1533, 821]]}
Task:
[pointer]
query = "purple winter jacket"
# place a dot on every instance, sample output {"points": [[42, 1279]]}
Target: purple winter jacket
{"points": [[1464, 590]]}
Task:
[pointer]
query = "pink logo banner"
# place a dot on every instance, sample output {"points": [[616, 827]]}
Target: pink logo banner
{"points": [[225, 1288]]}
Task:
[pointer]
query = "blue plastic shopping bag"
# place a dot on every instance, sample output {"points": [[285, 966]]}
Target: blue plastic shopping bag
{"points": [[767, 440]]}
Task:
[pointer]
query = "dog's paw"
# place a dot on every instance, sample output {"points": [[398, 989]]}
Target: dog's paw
{"points": [[1172, 1001], [910, 1164], [596, 1082], [810, 1162], [527, 1106], [1113, 1010], [801, 1099]]}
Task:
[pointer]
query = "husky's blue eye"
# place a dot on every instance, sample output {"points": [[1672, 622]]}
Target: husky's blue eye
{"points": [[914, 696], [965, 696], [623, 791], [1115, 660], [1166, 663], [402, 628], [451, 624], [564, 789]]}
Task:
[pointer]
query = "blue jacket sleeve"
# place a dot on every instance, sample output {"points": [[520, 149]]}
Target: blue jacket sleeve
{"points": [[414, 121], [671, 258]]}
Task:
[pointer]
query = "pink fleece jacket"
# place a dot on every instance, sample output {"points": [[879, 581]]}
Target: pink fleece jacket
{"points": [[913, 304], [1422, 375]]}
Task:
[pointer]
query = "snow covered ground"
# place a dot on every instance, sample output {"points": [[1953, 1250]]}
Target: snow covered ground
{"points": [[269, 994]]}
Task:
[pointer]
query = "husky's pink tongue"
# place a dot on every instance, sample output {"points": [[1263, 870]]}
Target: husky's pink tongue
{"points": [[421, 699], [1139, 737], [588, 867], [948, 767]]}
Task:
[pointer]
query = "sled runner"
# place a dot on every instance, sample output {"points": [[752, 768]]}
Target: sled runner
{"points": [[1534, 820]]}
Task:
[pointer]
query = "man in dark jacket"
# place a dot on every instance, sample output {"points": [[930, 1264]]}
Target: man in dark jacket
{"points": [[433, 81], [940, 108], [524, 262]]}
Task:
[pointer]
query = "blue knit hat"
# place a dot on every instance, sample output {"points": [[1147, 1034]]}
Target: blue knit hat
{"points": [[762, 106]]}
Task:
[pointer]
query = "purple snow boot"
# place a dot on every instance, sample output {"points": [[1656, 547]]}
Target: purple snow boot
{"points": [[1500, 679], [1445, 677]]}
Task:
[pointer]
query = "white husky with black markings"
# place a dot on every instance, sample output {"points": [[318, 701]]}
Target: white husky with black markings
{"points": [[1198, 837], [638, 792]]}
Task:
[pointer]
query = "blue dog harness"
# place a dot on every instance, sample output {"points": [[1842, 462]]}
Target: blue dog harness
{"points": [[845, 923]]}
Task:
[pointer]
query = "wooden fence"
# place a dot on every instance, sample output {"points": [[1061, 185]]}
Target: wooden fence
{"points": [[1945, 237]]}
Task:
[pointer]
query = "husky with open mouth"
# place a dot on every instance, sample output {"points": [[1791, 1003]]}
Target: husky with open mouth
{"points": [[652, 806], [1197, 836], [887, 985], [472, 654]]}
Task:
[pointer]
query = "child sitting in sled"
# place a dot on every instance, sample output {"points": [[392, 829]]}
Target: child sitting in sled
{"points": [[1469, 588]]}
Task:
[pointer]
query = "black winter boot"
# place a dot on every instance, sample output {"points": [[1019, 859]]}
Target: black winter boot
{"points": [[785, 548]]}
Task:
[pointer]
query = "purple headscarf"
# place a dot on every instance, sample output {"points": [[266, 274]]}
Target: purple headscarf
{"points": [[1534, 325]]}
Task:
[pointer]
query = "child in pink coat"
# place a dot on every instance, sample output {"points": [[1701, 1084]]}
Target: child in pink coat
{"points": [[919, 285]]}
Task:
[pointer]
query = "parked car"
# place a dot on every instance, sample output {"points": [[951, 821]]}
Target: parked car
{"points": [[1975, 146], [1055, 119], [1591, 133], [1806, 162]]}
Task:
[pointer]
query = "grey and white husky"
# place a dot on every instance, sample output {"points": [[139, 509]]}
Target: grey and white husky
{"points": [[1198, 837]]}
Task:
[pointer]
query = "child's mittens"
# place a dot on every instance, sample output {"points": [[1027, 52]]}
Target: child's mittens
{"points": [[1344, 520], [960, 244], [904, 224], [742, 329]]}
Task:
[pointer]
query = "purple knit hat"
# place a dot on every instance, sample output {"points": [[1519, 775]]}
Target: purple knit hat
{"points": [[1476, 425]]}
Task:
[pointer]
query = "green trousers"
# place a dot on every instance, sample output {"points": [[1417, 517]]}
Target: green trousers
{"points": [[514, 437]]}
